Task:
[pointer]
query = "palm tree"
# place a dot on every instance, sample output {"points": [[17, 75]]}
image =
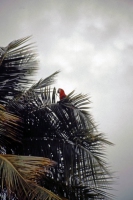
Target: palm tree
{"points": [[50, 149]]}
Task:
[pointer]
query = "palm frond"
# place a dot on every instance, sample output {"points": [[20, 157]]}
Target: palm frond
{"points": [[37, 96], [16, 173], [43, 193], [77, 192], [45, 82], [30, 167], [9, 127], [17, 61], [65, 132]]}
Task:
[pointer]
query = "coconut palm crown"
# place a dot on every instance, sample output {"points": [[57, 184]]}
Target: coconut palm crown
{"points": [[50, 148]]}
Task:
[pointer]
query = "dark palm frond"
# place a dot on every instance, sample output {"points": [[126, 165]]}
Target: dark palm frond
{"points": [[76, 166], [77, 192], [65, 132], [37, 96], [17, 61], [45, 82], [19, 174]]}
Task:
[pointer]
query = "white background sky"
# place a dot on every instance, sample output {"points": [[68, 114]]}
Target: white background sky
{"points": [[91, 42]]}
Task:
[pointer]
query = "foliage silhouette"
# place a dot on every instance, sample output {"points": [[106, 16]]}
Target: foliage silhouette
{"points": [[57, 152]]}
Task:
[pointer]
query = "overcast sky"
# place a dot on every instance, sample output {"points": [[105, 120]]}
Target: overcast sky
{"points": [[91, 42]]}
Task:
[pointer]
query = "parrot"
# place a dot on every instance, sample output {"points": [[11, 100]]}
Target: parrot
{"points": [[62, 94]]}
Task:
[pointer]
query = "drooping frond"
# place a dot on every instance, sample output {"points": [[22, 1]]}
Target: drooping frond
{"points": [[62, 131], [30, 167], [9, 128], [43, 193], [17, 61], [65, 132], [19, 174]]}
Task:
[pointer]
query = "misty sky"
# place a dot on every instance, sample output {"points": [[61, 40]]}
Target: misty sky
{"points": [[91, 42]]}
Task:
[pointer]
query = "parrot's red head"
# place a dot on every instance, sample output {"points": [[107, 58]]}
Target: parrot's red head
{"points": [[61, 93]]}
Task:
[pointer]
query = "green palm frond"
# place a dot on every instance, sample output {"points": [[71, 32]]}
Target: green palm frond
{"points": [[17, 172]]}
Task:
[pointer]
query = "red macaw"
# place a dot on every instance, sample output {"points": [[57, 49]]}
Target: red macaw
{"points": [[62, 94]]}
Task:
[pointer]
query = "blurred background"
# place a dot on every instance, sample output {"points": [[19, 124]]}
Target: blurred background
{"points": [[91, 42]]}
